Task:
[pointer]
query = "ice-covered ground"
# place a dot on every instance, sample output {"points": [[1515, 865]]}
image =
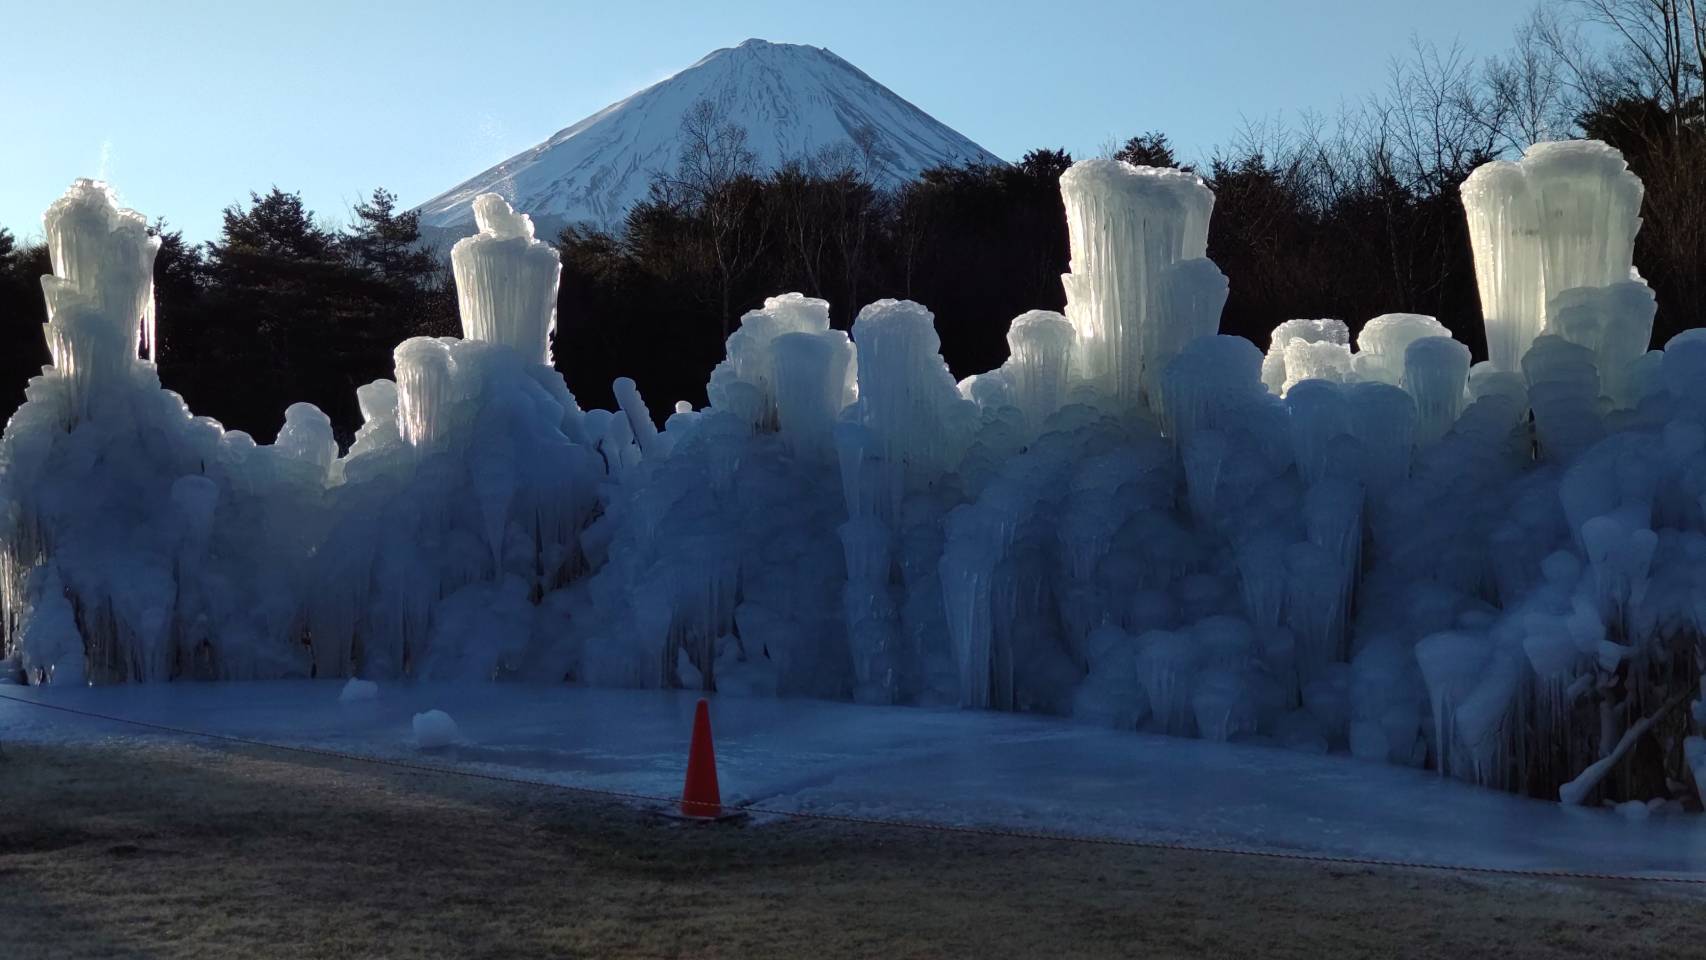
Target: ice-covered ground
{"points": [[938, 765]]}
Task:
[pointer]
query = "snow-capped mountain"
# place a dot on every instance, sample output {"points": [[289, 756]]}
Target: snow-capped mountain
{"points": [[793, 101]]}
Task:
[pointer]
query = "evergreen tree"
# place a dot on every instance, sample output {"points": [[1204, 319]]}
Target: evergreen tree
{"points": [[290, 315], [1149, 149], [387, 243], [189, 360], [23, 352], [281, 309]]}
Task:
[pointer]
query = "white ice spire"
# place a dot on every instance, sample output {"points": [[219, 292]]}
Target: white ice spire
{"points": [[506, 281], [101, 295], [1130, 296], [1563, 217]]}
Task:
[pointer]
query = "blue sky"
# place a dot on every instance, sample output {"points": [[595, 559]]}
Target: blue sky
{"points": [[185, 106]]}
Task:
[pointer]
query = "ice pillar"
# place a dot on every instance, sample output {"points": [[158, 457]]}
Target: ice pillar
{"points": [[1040, 348], [424, 389], [506, 281], [1504, 235], [1590, 210], [907, 398], [1132, 229], [100, 297], [810, 382], [1563, 217], [1436, 374], [748, 382]]}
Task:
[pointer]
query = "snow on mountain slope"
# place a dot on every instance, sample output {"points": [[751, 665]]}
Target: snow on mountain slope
{"points": [[793, 100]]}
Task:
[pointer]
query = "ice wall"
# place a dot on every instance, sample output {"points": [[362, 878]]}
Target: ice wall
{"points": [[158, 545], [1359, 541]]}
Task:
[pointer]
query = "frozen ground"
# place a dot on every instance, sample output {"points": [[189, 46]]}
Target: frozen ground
{"points": [[946, 766]]}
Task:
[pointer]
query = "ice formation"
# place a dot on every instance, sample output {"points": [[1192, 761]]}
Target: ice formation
{"points": [[462, 501], [506, 281], [1561, 219], [435, 729], [100, 298], [357, 690], [1140, 286], [1364, 544]]}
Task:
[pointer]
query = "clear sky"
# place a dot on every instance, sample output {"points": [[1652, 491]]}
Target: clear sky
{"points": [[187, 105]]}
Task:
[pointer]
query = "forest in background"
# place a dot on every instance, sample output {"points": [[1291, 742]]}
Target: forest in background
{"points": [[1349, 216]]}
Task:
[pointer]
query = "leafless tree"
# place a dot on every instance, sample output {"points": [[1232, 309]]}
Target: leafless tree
{"points": [[799, 226], [1662, 49], [847, 169], [1621, 49], [716, 177], [1441, 122], [1527, 87], [1636, 73]]}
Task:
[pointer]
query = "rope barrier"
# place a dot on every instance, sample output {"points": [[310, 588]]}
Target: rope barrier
{"points": [[851, 819]]}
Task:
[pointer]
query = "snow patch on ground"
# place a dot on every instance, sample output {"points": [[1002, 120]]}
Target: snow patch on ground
{"points": [[356, 690], [941, 766], [434, 729]]}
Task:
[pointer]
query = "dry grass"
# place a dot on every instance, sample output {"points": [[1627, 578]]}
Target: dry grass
{"points": [[193, 852]]}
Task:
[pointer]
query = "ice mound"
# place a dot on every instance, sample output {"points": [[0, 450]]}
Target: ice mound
{"points": [[435, 729], [358, 691]]}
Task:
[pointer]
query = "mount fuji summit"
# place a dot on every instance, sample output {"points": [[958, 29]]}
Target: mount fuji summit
{"points": [[793, 100]]}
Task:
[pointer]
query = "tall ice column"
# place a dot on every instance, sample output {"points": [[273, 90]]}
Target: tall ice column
{"points": [[1562, 218], [1129, 227], [506, 281], [100, 298]]}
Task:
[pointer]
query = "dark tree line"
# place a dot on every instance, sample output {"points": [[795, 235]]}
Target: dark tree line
{"points": [[281, 309], [1349, 217], [22, 349]]}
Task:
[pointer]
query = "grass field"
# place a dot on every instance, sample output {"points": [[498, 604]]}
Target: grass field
{"points": [[186, 851]]}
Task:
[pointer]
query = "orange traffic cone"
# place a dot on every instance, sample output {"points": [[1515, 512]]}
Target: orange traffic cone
{"points": [[700, 798]]}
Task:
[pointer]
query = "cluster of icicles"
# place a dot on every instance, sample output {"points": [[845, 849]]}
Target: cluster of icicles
{"points": [[1498, 568]]}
